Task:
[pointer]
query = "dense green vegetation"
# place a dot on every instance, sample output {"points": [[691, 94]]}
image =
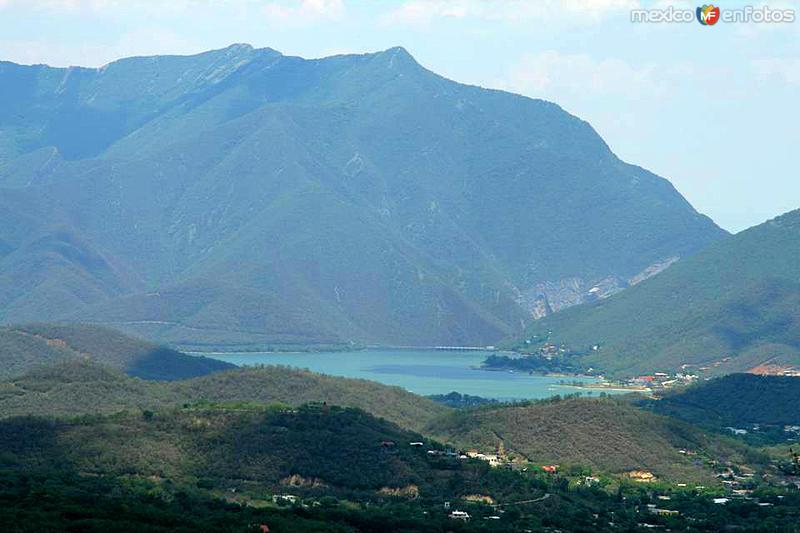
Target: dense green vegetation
{"points": [[736, 299], [295, 387], [80, 387], [108, 452], [610, 435], [25, 347], [533, 363], [241, 196], [606, 434], [246, 454], [761, 405], [456, 399], [217, 468], [234, 446]]}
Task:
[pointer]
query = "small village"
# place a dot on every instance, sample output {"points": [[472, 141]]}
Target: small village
{"points": [[661, 381], [734, 483], [547, 354]]}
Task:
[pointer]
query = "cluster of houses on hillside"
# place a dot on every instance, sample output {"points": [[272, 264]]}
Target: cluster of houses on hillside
{"points": [[494, 460], [736, 480], [499, 459], [661, 380], [792, 432], [689, 373]]}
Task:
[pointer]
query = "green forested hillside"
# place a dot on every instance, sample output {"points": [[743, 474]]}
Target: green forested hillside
{"points": [[208, 454], [610, 435], [207, 470], [341, 449], [25, 347], [295, 387], [738, 299], [78, 387], [244, 196], [605, 434], [249, 453], [736, 400], [216, 470]]}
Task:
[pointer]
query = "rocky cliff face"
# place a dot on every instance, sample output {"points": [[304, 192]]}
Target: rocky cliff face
{"points": [[729, 308], [550, 297]]}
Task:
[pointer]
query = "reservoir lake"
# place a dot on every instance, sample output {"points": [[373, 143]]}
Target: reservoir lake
{"points": [[419, 371]]}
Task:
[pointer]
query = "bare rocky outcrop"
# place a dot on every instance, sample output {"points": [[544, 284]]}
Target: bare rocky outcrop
{"points": [[550, 297]]}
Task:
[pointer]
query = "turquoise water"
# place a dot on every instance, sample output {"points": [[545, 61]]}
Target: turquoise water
{"points": [[419, 371]]}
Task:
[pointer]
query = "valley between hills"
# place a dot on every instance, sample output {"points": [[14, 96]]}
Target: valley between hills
{"points": [[172, 226], [292, 448]]}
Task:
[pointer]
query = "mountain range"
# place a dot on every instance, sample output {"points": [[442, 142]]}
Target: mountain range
{"points": [[730, 308], [244, 196]]}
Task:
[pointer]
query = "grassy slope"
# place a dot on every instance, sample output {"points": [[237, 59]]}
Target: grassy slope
{"points": [[20, 352], [736, 400], [296, 387], [737, 298], [79, 387], [610, 435], [25, 347]]}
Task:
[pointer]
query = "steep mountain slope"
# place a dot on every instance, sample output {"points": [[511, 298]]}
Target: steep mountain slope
{"points": [[77, 387], [738, 299], [609, 435], [244, 196], [25, 347]]}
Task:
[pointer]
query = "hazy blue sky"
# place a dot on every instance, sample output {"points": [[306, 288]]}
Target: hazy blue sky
{"points": [[714, 109]]}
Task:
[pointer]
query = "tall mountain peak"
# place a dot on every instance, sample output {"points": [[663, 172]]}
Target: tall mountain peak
{"points": [[242, 195], [398, 57]]}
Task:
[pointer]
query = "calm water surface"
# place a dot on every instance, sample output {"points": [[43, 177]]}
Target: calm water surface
{"points": [[419, 371]]}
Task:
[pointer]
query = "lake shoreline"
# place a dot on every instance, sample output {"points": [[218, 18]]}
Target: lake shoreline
{"points": [[423, 372], [324, 348]]}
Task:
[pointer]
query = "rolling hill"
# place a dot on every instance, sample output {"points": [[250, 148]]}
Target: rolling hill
{"points": [[79, 387], [608, 435], [23, 348], [314, 468], [328, 469], [262, 447], [244, 196], [736, 400], [731, 307]]}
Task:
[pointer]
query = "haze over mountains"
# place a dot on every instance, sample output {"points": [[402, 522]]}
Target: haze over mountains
{"points": [[23, 348], [732, 307], [245, 196]]}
